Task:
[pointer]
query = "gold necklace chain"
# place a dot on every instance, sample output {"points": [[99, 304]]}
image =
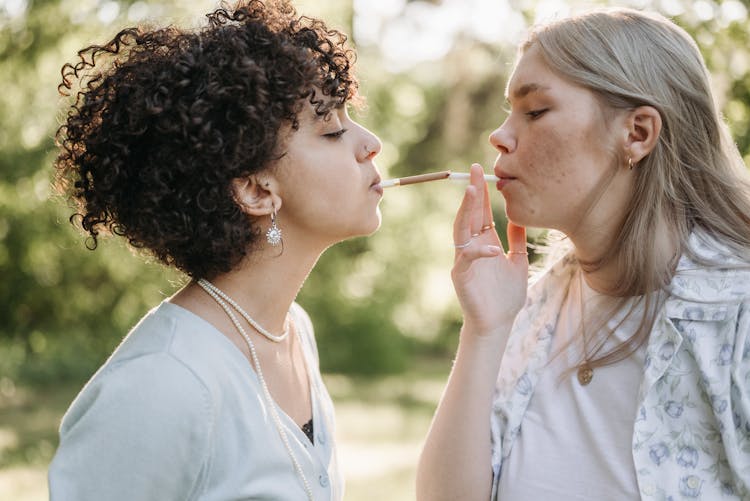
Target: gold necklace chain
{"points": [[585, 372]]}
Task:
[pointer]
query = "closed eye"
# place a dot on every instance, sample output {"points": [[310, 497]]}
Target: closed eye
{"points": [[534, 114], [335, 135]]}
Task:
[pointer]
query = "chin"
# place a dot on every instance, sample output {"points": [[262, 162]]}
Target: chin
{"points": [[520, 217], [512, 214], [374, 224], [363, 229]]}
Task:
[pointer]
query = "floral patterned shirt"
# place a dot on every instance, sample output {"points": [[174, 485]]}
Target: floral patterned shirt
{"points": [[691, 436]]}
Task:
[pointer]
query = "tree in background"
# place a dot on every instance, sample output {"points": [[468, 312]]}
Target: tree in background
{"points": [[377, 302]]}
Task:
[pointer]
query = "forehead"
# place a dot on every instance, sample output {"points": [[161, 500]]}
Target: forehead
{"points": [[532, 75], [322, 109]]}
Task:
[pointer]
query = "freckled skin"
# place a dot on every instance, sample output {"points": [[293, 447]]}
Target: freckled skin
{"points": [[562, 158]]}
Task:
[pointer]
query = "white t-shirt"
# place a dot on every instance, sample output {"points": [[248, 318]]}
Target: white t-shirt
{"points": [[575, 441], [177, 414]]}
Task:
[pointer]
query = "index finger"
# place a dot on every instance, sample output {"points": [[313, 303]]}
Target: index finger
{"points": [[462, 223], [479, 184]]}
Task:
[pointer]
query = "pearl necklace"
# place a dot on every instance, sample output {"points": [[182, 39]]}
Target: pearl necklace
{"points": [[220, 297], [208, 286]]}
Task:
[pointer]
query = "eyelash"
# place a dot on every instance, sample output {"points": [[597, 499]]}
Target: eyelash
{"points": [[335, 135], [534, 114]]}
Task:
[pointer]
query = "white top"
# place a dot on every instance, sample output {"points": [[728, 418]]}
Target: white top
{"points": [[177, 413], [575, 441], [691, 433]]}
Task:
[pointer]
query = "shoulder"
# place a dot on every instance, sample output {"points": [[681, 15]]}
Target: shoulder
{"points": [[143, 425], [165, 367], [707, 247], [709, 271], [156, 387]]}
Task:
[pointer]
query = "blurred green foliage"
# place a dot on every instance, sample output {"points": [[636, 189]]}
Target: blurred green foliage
{"points": [[377, 302]]}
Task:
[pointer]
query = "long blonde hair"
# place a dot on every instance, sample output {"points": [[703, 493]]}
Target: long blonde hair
{"points": [[694, 178]]}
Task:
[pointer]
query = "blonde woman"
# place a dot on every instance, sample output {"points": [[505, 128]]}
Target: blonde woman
{"points": [[624, 371]]}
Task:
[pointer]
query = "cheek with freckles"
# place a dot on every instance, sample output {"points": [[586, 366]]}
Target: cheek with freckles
{"points": [[564, 159], [554, 179], [549, 163]]}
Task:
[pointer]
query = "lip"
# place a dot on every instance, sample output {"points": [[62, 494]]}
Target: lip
{"points": [[505, 178], [503, 183], [375, 186]]}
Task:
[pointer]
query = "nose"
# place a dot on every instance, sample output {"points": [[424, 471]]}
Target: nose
{"points": [[503, 140], [371, 145]]}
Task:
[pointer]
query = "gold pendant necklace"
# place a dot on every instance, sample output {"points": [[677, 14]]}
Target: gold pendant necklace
{"points": [[585, 371]]}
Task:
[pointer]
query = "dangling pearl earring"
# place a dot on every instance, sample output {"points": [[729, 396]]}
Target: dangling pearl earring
{"points": [[273, 234]]}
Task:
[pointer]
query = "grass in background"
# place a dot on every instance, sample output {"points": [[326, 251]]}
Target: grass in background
{"points": [[29, 418], [381, 423]]}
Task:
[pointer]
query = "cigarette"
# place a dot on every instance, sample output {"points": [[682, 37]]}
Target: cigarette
{"points": [[465, 176], [434, 176]]}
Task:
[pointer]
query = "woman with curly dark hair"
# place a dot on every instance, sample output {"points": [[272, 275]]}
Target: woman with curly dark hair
{"points": [[225, 152]]}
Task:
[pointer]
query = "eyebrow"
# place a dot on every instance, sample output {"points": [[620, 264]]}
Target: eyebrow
{"points": [[527, 89], [333, 106]]}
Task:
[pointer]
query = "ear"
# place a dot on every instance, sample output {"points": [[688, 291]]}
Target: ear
{"points": [[256, 194], [643, 126]]}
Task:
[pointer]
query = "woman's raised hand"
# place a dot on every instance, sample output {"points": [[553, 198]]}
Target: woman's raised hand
{"points": [[490, 283]]}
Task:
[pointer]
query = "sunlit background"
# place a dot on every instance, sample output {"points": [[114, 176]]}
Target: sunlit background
{"points": [[386, 319]]}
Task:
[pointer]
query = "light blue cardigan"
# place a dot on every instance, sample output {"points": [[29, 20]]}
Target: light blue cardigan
{"points": [[177, 414]]}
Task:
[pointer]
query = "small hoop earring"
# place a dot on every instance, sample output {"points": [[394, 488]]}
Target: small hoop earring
{"points": [[630, 164], [273, 234]]}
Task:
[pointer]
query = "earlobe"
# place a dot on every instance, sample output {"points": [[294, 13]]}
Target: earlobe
{"points": [[644, 127], [257, 196]]}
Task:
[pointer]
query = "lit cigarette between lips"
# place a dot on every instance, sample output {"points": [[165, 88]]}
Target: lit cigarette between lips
{"points": [[433, 176]]}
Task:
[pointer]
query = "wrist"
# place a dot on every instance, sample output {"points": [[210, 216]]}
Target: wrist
{"points": [[482, 350], [488, 340], [499, 329]]}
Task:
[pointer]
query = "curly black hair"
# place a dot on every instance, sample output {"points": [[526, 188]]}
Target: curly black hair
{"points": [[164, 119]]}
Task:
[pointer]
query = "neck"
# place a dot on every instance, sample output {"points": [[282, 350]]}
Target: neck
{"points": [[593, 241], [267, 282], [594, 230]]}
